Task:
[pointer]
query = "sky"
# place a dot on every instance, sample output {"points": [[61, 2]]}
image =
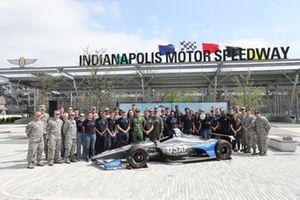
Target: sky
{"points": [[56, 32]]}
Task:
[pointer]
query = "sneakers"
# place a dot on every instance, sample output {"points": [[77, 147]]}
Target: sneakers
{"points": [[30, 165], [67, 161], [50, 162], [73, 159], [39, 163], [87, 160], [58, 161], [254, 152]]}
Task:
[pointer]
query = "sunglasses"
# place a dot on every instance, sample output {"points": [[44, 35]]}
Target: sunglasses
{"points": [[72, 115], [57, 114]]}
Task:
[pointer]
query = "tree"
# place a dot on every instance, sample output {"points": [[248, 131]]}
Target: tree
{"points": [[247, 95], [174, 95], [46, 84], [101, 83]]}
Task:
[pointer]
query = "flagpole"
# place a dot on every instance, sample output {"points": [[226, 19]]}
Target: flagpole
{"points": [[179, 49]]}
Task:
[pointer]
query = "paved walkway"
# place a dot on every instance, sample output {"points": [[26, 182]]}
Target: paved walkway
{"points": [[276, 176]]}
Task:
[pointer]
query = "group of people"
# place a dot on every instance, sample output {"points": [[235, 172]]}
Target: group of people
{"points": [[72, 136]]}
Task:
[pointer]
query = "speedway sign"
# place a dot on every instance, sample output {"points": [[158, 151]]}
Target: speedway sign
{"points": [[238, 54]]}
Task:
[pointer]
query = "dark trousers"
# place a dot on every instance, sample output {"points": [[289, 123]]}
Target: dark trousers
{"points": [[170, 133], [236, 144], [99, 145], [122, 137], [63, 138], [188, 132]]}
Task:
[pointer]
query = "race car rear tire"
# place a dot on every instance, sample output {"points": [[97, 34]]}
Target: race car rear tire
{"points": [[137, 157], [223, 150]]}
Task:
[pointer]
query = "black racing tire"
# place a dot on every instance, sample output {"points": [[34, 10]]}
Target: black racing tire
{"points": [[137, 157], [223, 150]]}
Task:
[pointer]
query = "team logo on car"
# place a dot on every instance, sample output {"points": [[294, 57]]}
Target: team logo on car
{"points": [[177, 150]]}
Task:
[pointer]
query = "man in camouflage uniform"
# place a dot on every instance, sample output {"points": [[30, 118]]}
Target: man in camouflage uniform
{"points": [[249, 132], [137, 126], [34, 130], [262, 128], [158, 127], [70, 130], [45, 119], [54, 139]]}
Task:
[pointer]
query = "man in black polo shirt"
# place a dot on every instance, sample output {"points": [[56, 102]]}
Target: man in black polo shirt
{"points": [[147, 124], [187, 122], [178, 115], [171, 124], [123, 127], [224, 123]]}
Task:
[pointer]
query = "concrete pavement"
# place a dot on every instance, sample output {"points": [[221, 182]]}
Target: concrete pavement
{"points": [[276, 176]]}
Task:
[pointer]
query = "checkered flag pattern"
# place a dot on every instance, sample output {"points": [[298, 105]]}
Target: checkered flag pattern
{"points": [[188, 46]]}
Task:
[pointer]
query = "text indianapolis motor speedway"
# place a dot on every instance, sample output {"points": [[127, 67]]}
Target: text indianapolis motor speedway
{"points": [[239, 54]]}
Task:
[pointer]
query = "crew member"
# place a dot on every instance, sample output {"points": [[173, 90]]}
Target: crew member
{"points": [[197, 124], [187, 122], [249, 131], [158, 127], [147, 124], [101, 133], [262, 129], [172, 123], [70, 131], [112, 130], [35, 132], [54, 130], [80, 137], [236, 128], [89, 126], [45, 119], [123, 127], [137, 126], [224, 125]]}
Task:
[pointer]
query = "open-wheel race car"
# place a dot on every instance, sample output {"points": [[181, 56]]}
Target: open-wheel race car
{"points": [[179, 149]]}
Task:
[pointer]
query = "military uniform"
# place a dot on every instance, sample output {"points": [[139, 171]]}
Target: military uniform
{"points": [[45, 119], [34, 131], [249, 132], [137, 132], [54, 143], [70, 130], [262, 128], [158, 128]]}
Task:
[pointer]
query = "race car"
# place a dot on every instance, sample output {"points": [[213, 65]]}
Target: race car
{"points": [[181, 148]]}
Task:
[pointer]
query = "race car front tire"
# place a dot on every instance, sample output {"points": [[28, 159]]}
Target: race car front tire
{"points": [[137, 157], [223, 150]]}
